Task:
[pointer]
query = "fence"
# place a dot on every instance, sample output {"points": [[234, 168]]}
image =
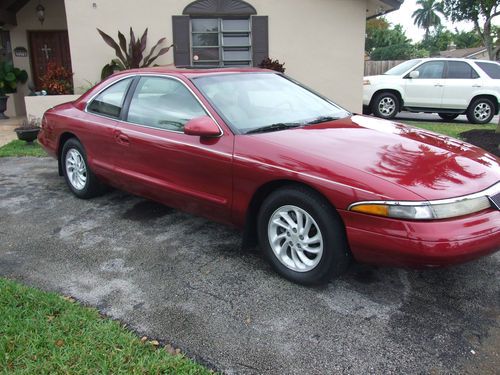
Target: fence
{"points": [[373, 68]]}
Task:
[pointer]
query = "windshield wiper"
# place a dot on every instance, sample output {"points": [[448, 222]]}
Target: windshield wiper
{"points": [[273, 127], [321, 119]]}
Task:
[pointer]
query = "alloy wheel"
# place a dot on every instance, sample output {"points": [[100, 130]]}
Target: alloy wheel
{"points": [[76, 169]]}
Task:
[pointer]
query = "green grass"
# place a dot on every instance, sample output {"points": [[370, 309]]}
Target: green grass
{"points": [[44, 333], [21, 148], [451, 129]]}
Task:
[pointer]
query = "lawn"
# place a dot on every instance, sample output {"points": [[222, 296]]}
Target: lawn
{"points": [[451, 129], [21, 148], [44, 333]]}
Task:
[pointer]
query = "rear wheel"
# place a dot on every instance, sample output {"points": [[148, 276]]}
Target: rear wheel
{"points": [[481, 111], [302, 236], [448, 116], [385, 105], [79, 178]]}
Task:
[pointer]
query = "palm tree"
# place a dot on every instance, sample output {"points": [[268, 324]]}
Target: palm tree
{"points": [[427, 15]]}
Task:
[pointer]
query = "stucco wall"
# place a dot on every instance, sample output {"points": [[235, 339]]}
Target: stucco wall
{"points": [[55, 19], [321, 41]]}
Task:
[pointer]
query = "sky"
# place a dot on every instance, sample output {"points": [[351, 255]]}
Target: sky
{"points": [[403, 17]]}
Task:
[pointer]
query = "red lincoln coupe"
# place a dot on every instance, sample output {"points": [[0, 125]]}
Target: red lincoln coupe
{"points": [[314, 183]]}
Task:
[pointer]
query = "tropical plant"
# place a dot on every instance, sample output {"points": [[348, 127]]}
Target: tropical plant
{"points": [[132, 55], [466, 39], [381, 34], [481, 13], [9, 77], [398, 52], [427, 15], [57, 80], [268, 63], [438, 40]]}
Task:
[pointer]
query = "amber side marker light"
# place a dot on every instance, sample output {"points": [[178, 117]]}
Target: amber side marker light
{"points": [[372, 209]]}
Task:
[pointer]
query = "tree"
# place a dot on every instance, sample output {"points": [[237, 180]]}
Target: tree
{"points": [[437, 40], [466, 39], [481, 13], [427, 15]]}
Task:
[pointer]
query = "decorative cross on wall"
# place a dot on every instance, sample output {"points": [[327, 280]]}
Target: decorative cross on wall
{"points": [[46, 50]]}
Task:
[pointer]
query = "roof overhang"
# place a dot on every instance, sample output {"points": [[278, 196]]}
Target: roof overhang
{"points": [[375, 8], [8, 11]]}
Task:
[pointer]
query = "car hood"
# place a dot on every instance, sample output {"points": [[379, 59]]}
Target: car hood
{"points": [[387, 158]]}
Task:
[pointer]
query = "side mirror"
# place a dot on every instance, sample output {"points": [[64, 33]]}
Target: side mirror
{"points": [[202, 126], [414, 74]]}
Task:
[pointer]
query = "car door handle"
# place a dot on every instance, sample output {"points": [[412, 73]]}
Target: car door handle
{"points": [[122, 139], [476, 86], [438, 85]]}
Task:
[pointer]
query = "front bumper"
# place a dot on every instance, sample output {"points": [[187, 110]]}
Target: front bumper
{"points": [[436, 243]]}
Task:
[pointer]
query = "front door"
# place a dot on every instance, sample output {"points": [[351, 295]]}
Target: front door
{"points": [[45, 47]]}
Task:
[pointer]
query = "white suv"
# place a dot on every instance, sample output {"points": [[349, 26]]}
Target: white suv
{"points": [[449, 87]]}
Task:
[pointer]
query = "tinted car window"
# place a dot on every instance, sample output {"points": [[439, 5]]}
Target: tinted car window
{"points": [[110, 101], [429, 70], [491, 69], [460, 70], [163, 103]]}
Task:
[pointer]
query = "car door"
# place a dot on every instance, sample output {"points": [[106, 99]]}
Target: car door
{"points": [[427, 89], [97, 129], [460, 83], [160, 162]]}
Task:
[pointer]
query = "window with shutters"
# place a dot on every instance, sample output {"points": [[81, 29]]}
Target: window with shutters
{"points": [[221, 42], [220, 33]]}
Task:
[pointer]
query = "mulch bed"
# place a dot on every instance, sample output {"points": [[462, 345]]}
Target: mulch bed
{"points": [[486, 139]]}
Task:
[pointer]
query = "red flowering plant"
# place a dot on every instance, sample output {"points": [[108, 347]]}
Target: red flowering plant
{"points": [[57, 80]]}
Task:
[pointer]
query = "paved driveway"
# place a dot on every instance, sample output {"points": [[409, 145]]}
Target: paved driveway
{"points": [[185, 280]]}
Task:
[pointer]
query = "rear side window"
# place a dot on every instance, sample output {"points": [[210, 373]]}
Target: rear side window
{"points": [[110, 101], [491, 69], [460, 70]]}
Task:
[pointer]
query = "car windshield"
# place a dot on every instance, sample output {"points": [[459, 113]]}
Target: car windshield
{"points": [[250, 102], [402, 68]]}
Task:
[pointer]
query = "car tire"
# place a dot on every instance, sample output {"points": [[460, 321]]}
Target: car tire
{"points": [[385, 105], [305, 256], [481, 111], [448, 116], [77, 174]]}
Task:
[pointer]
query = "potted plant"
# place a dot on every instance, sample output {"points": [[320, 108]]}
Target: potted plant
{"points": [[28, 131], [9, 77]]}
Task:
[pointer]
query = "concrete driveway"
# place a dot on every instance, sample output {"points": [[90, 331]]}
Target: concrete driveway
{"points": [[185, 281]]}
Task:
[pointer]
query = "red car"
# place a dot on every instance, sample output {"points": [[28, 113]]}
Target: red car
{"points": [[317, 185]]}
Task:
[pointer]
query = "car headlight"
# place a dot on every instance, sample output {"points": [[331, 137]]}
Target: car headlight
{"points": [[429, 210], [366, 82]]}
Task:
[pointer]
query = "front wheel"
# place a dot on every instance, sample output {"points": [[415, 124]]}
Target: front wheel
{"points": [[448, 116], [481, 111], [79, 178], [302, 236], [385, 105]]}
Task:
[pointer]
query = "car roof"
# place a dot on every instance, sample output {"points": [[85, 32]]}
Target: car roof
{"points": [[190, 73], [454, 59]]}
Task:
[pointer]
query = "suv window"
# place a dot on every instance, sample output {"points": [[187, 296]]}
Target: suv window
{"points": [[110, 101], [163, 103], [460, 70], [431, 70], [492, 69]]}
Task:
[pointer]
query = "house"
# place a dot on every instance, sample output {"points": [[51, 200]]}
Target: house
{"points": [[320, 41], [480, 53]]}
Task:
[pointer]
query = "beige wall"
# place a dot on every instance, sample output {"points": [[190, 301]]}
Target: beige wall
{"points": [[55, 19], [321, 41]]}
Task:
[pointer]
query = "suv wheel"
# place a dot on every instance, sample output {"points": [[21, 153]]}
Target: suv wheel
{"points": [[481, 111], [385, 105]]}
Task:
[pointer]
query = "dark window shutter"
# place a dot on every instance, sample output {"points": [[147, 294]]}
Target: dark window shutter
{"points": [[260, 39], [180, 34]]}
